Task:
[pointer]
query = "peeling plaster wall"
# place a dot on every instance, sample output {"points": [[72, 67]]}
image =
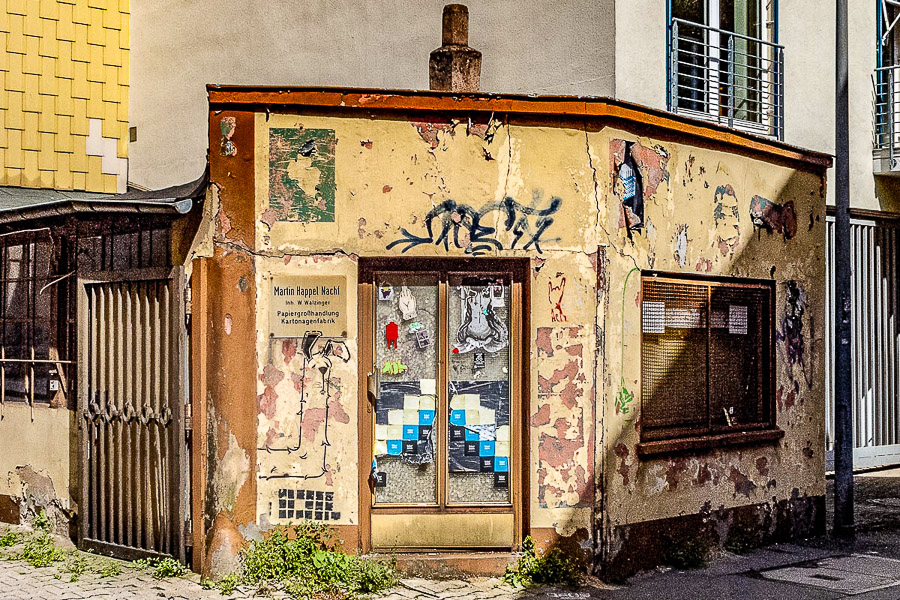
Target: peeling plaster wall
{"points": [[700, 218], [34, 474], [398, 185]]}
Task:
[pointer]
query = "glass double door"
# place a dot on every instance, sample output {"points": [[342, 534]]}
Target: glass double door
{"points": [[444, 412]]}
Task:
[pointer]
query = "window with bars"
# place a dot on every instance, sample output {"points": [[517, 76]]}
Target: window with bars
{"points": [[37, 314], [33, 348], [706, 356]]}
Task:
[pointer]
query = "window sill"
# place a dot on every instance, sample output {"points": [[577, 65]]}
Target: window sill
{"points": [[737, 438]]}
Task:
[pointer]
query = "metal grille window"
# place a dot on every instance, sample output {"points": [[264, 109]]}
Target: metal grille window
{"points": [[706, 356], [32, 352]]}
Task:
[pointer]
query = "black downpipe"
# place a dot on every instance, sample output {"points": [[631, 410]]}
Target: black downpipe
{"points": [[843, 418]]}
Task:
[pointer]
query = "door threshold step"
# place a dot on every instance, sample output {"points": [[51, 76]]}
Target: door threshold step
{"points": [[450, 565]]}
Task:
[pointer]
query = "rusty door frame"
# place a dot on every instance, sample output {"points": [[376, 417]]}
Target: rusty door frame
{"points": [[176, 275]]}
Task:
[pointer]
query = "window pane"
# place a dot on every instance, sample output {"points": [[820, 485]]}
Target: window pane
{"points": [[738, 368], [14, 381], [406, 308], [479, 423], [673, 357]]}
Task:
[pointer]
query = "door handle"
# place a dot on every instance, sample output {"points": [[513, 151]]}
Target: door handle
{"points": [[373, 382]]}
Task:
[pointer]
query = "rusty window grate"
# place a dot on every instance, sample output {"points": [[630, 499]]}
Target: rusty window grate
{"points": [[706, 356], [31, 355]]}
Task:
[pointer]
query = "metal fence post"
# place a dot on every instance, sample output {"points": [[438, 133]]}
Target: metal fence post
{"points": [[673, 68], [780, 99], [731, 86]]}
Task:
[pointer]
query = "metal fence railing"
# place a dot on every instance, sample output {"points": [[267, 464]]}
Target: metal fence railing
{"points": [[726, 77], [886, 111]]}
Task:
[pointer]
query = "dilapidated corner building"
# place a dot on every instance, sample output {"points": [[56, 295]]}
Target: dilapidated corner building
{"points": [[481, 317]]}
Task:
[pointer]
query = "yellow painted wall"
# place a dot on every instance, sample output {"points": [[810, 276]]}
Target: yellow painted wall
{"points": [[66, 64]]}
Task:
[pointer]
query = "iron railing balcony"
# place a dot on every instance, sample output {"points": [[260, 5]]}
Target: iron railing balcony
{"points": [[886, 119], [726, 77]]}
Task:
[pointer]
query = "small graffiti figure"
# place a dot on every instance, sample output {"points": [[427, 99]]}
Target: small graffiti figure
{"points": [[555, 295], [391, 334]]}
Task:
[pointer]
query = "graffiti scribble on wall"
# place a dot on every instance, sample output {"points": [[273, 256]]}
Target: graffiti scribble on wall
{"points": [[778, 218], [555, 295], [309, 448], [301, 174], [474, 230], [791, 332], [306, 504], [481, 328]]}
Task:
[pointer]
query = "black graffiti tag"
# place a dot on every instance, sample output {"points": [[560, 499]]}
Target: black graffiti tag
{"points": [[464, 227]]}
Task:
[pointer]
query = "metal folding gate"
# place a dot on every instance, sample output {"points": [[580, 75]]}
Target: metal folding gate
{"points": [[875, 343], [131, 351]]}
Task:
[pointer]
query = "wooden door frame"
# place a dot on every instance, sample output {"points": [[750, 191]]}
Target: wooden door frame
{"points": [[520, 268], [176, 275]]}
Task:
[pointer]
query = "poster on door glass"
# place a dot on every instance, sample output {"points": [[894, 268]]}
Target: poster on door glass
{"points": [[404, 440], [478, 452]]}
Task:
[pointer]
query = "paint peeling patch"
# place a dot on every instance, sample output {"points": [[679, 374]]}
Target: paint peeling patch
{"points": [[227, 325], [242, 284], [430, 130], [37, 493], [636, 171], [704, 265], [762, 466], [791, 332], [674, 470], [624, 470], [367, 144], [227, 126], [726, 206], [269, 217], [386, 189], [361, 227], [231, 474], [777, 218], [564, 470], [681, 242], [743, 485]]}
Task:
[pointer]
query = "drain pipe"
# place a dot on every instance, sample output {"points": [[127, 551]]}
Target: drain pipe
{"points": [[843, 416]]}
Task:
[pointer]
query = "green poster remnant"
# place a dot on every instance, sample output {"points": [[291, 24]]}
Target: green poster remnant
{"points": [[301, 174]]}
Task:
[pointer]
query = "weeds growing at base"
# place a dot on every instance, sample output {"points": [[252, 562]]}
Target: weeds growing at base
{"points": [[40, 551], [303, 560]]}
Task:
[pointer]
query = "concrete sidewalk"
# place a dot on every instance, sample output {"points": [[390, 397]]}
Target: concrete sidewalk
{"points": [[868, 568]]}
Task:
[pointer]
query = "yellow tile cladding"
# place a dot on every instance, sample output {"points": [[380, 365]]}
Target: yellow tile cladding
{"points": [[65, 63]]}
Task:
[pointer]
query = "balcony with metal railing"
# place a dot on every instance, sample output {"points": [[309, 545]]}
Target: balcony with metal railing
{"points": [[729, 78], [886, 120]]}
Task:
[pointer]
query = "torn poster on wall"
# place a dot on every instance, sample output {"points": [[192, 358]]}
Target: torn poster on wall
{"points": [[301, 174]]}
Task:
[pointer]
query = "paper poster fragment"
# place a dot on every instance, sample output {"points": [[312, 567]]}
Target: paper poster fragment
{"points": [[653, 317], [737, 319]]}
